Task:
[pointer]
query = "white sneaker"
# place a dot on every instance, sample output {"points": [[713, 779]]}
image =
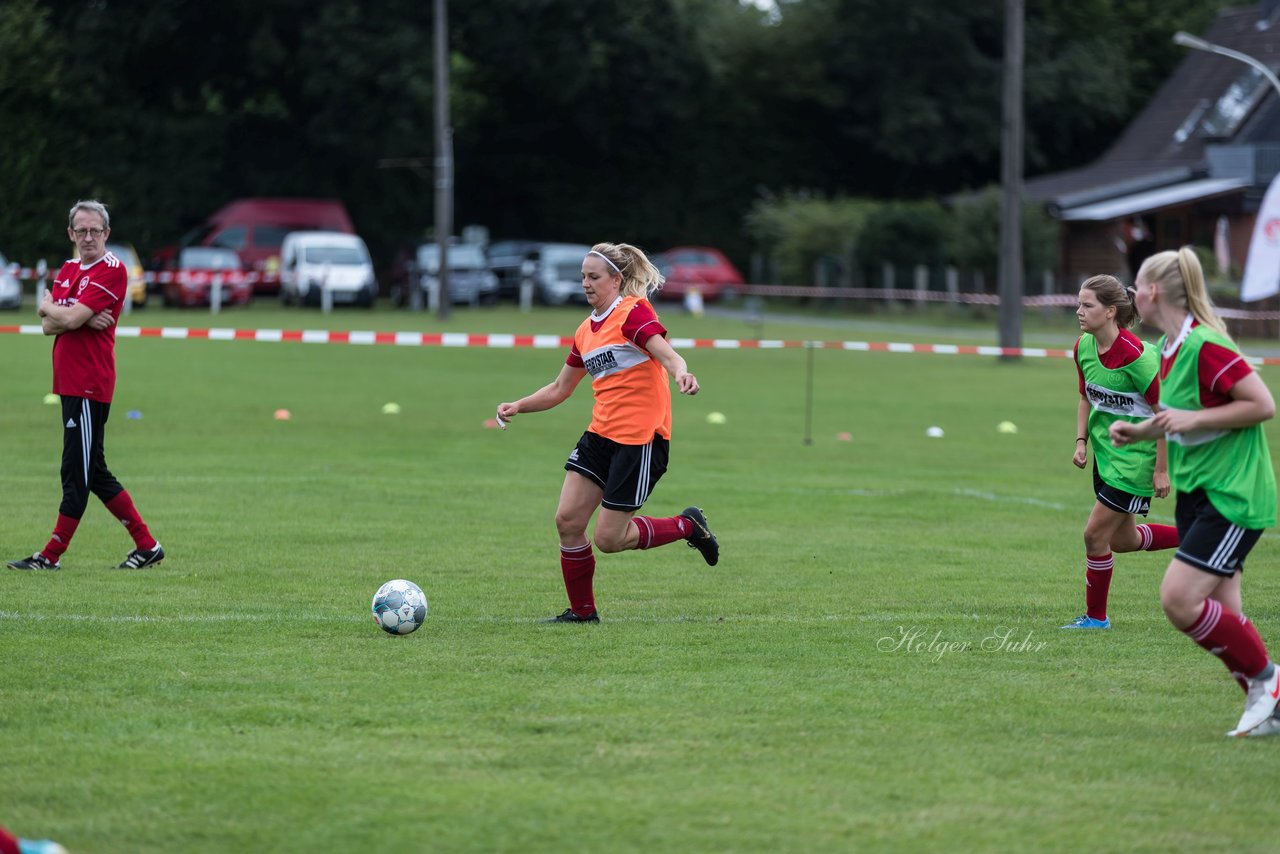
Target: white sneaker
{"points": [[1261, 702], [1271, 726]]}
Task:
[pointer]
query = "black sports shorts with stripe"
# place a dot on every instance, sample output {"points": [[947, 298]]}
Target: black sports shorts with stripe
{"points": [[1117, 499], [1207, 540], [626, 473], [84, 466]]}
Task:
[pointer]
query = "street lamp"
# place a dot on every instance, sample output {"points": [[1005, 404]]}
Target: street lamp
{"points": [[1185, 39], [1262, 266]]}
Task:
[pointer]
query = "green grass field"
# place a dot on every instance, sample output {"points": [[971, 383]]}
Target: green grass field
{"points": [[875, 663]]}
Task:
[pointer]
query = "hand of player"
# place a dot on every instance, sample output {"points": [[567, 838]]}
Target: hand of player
{"points": [[1160, 482], [1122, 433], [687, 383], [1176, 420], [100, 321], [506, 411], [1081, 456]]}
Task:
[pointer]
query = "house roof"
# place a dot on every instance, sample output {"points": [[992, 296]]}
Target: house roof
{"points": [[1151, 153], [1152, 200]]}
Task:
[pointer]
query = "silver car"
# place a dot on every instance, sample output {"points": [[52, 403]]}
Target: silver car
{"points": [[470, 279], [10, 287], [557, 273]]}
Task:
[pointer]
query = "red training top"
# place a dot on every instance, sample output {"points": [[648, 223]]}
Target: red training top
{"points": [[84, 359]]}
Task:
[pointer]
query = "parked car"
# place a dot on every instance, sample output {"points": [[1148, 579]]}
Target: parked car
{"points": [[557, 272], [255, 228], [10, 287], [470, 279], [313, 260], [506, 259], [191, 282], [701, 266], [133, 267]]}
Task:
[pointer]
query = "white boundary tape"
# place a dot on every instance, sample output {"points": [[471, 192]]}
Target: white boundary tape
{"points": [[554, 342]]}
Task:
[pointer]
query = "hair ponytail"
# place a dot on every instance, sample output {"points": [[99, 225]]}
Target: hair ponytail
{"points": [[1181, 281], [1111, 293], [640, 278]]}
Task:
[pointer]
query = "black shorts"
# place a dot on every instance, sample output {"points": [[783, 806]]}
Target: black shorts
{"points": [[1207, 540], [626, 473], [1117, 499]]}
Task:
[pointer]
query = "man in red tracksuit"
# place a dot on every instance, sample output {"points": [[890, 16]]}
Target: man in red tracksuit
{"points": [[81, 311]]}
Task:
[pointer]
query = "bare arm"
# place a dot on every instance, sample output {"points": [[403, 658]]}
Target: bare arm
{"points": [[674, 363], [549, 396], [56, 319], [1251, 403], [1081, 455]]}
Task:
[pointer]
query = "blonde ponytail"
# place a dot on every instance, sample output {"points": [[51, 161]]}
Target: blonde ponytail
{"points": [[1182, 283]]}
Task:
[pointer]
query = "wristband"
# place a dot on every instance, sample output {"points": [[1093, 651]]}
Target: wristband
{"points": [[1082, 439]]}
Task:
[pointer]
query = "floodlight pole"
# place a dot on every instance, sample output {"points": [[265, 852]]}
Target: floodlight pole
{"points": [[444, 158], [1011, 136], [1185, 39]]}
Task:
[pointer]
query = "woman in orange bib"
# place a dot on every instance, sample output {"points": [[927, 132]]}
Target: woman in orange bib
{"points": [[623, 453]]}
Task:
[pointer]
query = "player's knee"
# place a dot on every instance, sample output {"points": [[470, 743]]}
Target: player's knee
{"points": [[1097, 542], [567, 525], [1180, 608]]}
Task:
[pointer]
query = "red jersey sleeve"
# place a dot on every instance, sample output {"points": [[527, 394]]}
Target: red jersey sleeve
{"points": [[1152, 394], [1219, 369], [574, 359], [642, 324]]}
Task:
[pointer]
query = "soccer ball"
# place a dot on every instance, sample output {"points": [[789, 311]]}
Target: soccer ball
{"points": [[399, 607]]}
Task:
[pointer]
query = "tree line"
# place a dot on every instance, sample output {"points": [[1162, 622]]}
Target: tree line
{"points": [[658, 122]]}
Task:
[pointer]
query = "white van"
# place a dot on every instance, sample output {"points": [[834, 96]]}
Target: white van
{"points": [[313, 260]]}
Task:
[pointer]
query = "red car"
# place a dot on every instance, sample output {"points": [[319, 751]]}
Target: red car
{"points": [[701, 266], [197, 267]]}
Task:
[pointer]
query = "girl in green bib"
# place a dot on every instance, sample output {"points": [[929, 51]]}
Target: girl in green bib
{"points": [[1118, 382], [1211, 409]]}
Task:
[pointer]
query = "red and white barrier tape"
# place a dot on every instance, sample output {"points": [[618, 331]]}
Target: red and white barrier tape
{"points": [[909, 295], [239, 277], [164, 277], [553, 342]]}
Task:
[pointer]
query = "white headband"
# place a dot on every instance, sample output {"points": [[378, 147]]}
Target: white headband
{"points": [[606, 260]]}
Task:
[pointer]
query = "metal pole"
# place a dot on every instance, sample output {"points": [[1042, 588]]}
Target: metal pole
{"points": [[810, 346], [444, 156], [1011, 272]]}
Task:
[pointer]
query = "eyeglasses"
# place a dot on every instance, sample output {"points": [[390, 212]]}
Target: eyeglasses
{"points": [[95, 233]]}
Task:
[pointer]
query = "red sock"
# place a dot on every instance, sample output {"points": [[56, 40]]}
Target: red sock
{"points": [[63, 530], [1097, 583], [1157, 537], [659, 532], [8, 843], [122, 508], [1231, 637], [578, 566]]}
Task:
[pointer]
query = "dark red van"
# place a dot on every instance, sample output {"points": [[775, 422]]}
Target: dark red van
{"points": [[255, 228]]}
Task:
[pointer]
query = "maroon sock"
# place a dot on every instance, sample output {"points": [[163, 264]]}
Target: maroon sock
{"points": [[578, 566], [122, 508], [1097, 583], [1157, 537], [659, 532], [1230, 637], [63, 530], [8, 843]]}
